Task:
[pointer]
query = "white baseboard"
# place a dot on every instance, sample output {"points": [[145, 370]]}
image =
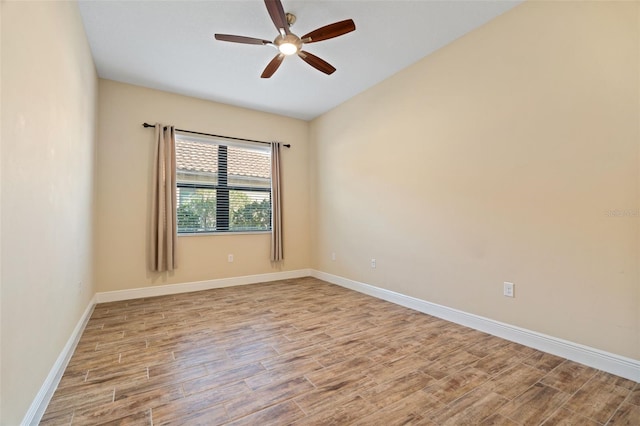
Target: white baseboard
{"points": [[605, 361], [163, 290], [41, 401]]}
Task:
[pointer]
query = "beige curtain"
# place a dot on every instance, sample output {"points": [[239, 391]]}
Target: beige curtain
{"points": [[163, 232], [277, 252]]}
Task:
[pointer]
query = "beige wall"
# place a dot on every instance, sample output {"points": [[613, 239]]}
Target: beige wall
{"points": [[496, 159], [125, 153], [49, 89]]}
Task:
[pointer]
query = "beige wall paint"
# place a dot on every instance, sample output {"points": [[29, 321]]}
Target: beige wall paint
{"points": [[49, 90], [125, 153], [497, 159]]}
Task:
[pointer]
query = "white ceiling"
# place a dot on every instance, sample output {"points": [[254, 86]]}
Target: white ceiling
{"points": [[169, 45]]}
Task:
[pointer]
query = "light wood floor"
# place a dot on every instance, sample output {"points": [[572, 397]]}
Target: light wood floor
{"points": [[307, 352]]}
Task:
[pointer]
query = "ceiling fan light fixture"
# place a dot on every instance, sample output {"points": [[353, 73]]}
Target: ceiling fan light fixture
{"points": [[289, 44], [288, 48]]}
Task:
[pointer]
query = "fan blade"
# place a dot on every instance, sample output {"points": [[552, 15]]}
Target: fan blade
{"points": [[272, 66], [317, 63], [329, 31], [241, 39], [276, 11]]}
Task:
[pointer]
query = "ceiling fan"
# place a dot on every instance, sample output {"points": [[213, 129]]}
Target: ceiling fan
{"points": [[288, 43]]}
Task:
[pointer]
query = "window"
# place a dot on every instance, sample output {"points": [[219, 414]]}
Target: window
{"points": [[222, 186]]}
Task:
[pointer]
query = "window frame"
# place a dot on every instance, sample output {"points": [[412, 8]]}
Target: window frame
{"points": [[222, 185]]}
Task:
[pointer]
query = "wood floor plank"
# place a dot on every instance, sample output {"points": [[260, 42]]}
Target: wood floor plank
{"points": [[297, 368], [394, 390], [497, 420], [211, 400], [514, 381], [306, 352], [329, 374], [598, 399], [141, 418], [543, 361], [472, 408], [340, 412], [569, 376], [325, 398], [409, 410], [454, 386], [567, 417], [498, 362], [454, 362], [266, 396], [222, 378], [125, 407], [634, 398], [535, 405], [189, 412], [57, 418], [398, 367], [284, 413], [627, 414]]}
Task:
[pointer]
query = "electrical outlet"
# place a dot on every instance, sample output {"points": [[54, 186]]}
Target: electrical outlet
{"points": [[230, 258], [373, 263], [508, 289], [333, 256]]}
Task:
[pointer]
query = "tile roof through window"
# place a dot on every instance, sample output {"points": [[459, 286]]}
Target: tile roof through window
{"points": [[196, 156]]}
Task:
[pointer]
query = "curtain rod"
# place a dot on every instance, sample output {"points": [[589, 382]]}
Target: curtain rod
{"points": [[217, 136]]}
